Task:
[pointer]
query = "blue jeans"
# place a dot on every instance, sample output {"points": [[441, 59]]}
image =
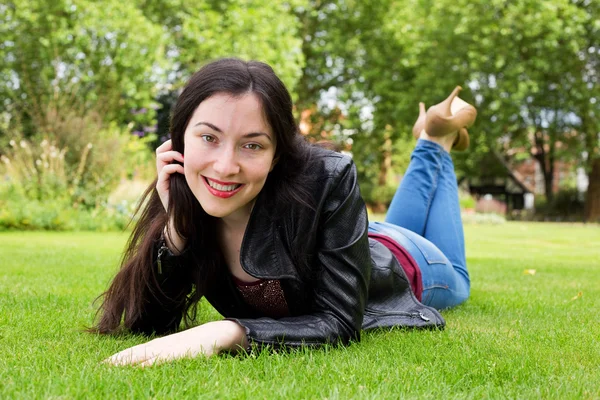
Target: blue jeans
{"points": [[424, 218]]}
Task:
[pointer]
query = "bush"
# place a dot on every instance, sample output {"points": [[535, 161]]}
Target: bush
{"points": [[566, 205], [466, 201], [30, 214], [41, 190], [378, 197]]}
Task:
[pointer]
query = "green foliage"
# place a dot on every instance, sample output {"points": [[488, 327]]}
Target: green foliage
{"points": [[359, 67], [567, 204], [100, 55], [466, 201], [20, 213], [530, 66], [204, 30], [42, 189], [378, 195]]}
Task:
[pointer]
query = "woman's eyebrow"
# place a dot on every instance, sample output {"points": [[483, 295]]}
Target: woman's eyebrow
{"points": [[247, 135], [211, 126], [256, 134]]}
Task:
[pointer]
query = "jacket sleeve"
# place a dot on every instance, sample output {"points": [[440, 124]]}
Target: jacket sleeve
{"points": [[165, 304], [343, 266]]}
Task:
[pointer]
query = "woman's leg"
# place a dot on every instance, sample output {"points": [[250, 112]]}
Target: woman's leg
{"points": [[426, 203]]}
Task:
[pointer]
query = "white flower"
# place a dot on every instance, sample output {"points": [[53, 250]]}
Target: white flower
{"points": [[12, 143], [23, 144], [38, 162]]}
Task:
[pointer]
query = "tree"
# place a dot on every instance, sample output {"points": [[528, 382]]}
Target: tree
{"points": [[201, 31], [531, 67], [333, 96], [77, 55]]}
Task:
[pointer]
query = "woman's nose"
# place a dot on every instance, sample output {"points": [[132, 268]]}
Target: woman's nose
{"points": [[226, 163]]}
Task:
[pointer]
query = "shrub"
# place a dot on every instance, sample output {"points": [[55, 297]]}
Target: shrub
{"points": [[26, 214], [378, 197], [567, 204], [41, 190], [466, 201]]}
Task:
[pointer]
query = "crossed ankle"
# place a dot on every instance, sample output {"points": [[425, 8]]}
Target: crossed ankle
{"points": [[445, 141]]}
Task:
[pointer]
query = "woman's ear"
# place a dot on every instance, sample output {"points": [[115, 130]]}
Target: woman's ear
{"points": [[273, 163]]}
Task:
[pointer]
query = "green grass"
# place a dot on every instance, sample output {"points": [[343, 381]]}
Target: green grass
{"points": [[519, 336]]}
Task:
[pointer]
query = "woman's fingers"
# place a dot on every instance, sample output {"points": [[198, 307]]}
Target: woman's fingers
{"points": [[136, 354], [166, 165], [168, 157], [163, 183], [150, 362], [129, 357], [166, 146]]}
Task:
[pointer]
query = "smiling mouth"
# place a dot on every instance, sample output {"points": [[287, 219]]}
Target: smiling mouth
{"points": [[222, 189]]}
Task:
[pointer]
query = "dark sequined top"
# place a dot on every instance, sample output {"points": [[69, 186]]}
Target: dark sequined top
{"points": [[265, 296]]}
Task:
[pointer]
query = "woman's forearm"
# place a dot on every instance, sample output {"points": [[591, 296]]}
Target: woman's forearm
{"points": [[227, 335], [208, 339]]}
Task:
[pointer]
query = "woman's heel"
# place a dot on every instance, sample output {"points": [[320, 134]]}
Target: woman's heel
{"points": [[451, 115], [462, 141]]}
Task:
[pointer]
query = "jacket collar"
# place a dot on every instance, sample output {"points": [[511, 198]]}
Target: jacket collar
{"points": [[263, 253]]}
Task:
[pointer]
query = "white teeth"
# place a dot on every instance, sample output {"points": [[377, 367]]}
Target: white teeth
{"points": [[222, 188]]}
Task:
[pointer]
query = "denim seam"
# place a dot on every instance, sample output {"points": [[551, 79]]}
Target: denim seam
{"points": [[434, 186], [426, 253], [436, 286]]}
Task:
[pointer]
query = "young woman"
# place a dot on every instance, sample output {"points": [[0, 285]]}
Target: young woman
{"points": [[274, 232]]}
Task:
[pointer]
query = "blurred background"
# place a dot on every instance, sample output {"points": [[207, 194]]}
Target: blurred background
{"points": [[86, 89]]}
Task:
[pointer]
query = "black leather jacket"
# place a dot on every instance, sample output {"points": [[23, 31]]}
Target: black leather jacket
{"points": [[358, 283]]}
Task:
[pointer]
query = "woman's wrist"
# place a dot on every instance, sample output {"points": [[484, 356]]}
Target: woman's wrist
{"points": [[222, 335]]}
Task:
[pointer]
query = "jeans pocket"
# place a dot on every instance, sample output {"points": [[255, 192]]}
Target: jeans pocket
{"points": [[430, 252]]}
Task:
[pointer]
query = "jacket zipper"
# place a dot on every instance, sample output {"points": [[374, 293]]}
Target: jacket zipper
{"points": [[402, 313], [162, 249]]}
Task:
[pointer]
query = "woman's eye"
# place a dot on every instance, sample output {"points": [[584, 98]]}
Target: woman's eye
{"points": [[208, 138], [253, 146]]}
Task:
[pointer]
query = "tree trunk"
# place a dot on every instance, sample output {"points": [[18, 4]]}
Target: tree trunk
{"points": [[592, 198], [545, 159], [386, 160], [548, 183], [378, 205]]}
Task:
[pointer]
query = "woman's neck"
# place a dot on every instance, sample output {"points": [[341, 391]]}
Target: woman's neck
{"points": [[238, 220]]}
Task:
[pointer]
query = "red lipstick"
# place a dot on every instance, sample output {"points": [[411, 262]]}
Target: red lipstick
{"points": [[220, 193]]}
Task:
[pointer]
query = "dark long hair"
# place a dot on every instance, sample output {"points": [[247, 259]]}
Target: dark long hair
{"points": [[285, 188]]}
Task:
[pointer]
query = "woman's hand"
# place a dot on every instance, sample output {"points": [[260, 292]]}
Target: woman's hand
{"points": [[165, 168], [165, 155], [207, 339]]}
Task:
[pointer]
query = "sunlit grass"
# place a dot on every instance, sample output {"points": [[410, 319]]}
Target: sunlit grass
{"points": [[521, 335]]}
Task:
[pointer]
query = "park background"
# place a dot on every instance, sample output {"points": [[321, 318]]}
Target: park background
{"points": [[86, 89]]}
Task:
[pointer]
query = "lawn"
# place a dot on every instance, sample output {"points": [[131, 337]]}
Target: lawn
{"points": [[522, 334]]}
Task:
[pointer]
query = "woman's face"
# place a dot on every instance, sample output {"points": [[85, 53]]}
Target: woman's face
{"points": [[229, 152]]}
